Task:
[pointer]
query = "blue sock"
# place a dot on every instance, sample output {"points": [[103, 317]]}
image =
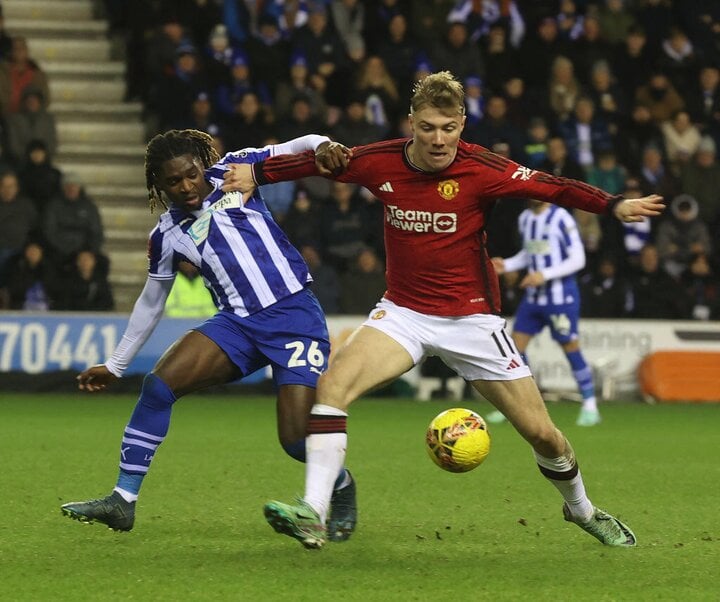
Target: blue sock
{"points": [[146, 430], [297, 450], [582, 373]]}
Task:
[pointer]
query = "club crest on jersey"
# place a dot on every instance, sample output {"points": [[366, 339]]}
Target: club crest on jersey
{"points": [[378, 315], [448, 189]]}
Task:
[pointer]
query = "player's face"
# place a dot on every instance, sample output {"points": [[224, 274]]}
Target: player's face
{"points": [[182, 179], [435, 138]]}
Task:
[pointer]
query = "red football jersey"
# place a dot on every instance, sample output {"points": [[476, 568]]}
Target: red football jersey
{"points": [[434, 222]]}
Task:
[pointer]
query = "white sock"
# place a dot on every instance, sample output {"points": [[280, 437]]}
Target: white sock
{"points": [[126, 495], [590, 404], [325, 457], [573, 489]]}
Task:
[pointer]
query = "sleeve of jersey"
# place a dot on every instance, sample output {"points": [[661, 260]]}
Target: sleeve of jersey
{"points": [[519, 261], [575, 260], [146, 314], [505, 178], [284, 168]]}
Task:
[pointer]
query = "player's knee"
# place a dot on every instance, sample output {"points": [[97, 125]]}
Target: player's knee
{"points": [[547, 440], [156, 393], [295, 449]]}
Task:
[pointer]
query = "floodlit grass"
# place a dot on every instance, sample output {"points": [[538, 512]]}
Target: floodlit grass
{"points": [[492, 534]]}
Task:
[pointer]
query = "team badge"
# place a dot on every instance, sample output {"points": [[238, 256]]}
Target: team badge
{"points": [[448, 189], [378, 315]]}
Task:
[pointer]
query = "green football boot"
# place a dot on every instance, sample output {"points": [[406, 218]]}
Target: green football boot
{"points": [[112, 511], [299, 521], [608, 529], [343, 512]]}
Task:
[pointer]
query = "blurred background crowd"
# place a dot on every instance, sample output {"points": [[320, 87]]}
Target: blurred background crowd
{"points": [[623, 94]]}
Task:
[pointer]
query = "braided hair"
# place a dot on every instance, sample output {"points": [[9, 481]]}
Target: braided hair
{"points": [[172, 144]]}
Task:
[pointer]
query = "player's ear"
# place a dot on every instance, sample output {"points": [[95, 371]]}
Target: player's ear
{"points": [[462, 122]]}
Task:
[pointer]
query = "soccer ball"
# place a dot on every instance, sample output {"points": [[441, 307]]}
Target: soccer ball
{"points": [[457, 440]]}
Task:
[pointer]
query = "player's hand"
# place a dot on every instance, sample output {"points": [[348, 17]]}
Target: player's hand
{"points": [[532, 279], [331, 158], [238, 177], [498, 264], [635, 210], [95, 378]]}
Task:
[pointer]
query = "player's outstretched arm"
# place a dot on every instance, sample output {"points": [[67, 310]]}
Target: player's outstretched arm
{"points": [[95, 378], [634, 210]]}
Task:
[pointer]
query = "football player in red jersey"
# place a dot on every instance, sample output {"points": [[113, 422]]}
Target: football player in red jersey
{"points": [[442, 295]]}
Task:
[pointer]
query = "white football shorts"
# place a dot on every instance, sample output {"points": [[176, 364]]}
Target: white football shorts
{"points": [[477, 346]]}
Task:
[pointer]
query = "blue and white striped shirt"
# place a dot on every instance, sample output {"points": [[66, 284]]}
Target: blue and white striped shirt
{"points": [[552, 246], [244, 257]]}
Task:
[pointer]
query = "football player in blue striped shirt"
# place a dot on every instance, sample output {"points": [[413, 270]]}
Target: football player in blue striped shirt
{"points": [[266, 315], [552, 253]]}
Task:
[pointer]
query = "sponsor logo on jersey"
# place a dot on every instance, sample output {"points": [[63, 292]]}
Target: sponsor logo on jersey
{"points": [[199, 230], [524, 173], [448, 189], [378, 315], [412, 220], [387, 187]]}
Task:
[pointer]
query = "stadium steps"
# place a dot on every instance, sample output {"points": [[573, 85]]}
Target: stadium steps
{"points": [[101, 137]]}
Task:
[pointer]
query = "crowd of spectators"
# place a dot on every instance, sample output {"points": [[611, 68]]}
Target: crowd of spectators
{"points": [[51, 249], [623, 94]]}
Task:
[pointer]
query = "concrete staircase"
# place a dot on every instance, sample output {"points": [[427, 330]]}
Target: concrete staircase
{"points": [[101, 137]]}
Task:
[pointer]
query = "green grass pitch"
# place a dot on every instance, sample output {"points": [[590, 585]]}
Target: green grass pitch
{"points": [[495, 533]]}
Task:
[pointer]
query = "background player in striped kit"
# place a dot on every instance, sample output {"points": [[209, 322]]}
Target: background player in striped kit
{"points": [[552, 252], [258, 281]]}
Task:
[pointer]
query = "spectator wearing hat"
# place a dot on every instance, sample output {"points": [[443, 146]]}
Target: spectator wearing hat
{"points": [[72, 223], [474, 100], [682, 235], [219, 57], [327, 60], [176, 91], [32, 122], [300, 84], [39, 178], [700, 178], [241, 82]]}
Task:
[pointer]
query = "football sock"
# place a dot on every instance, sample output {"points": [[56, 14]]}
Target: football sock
{"points": [[563, 472], [326, 442], [296, 450], [584, 378], [146, 430]]}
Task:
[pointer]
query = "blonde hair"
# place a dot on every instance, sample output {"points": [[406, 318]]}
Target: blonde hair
{"points": [[439, 90]]}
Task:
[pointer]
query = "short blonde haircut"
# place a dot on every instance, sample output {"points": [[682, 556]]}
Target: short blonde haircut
{"points": [[441, 91]]}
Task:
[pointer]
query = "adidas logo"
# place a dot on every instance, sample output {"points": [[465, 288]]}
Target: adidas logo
{"points": [[387, 187], [513, 364]]}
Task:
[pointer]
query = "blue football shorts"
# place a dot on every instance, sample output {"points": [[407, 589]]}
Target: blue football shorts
{"points": [[531, 318], [291, 336]]}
